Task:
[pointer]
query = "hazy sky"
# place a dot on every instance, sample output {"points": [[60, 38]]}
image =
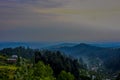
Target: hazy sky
{"points": [[60, 20]]}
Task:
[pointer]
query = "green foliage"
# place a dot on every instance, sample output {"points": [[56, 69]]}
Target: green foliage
{"points": [[59, 62], [23, 72], [4, 74], [7, 72], [38, 72], [65, 76], [3, 59], [43, 72], [43, 65]]}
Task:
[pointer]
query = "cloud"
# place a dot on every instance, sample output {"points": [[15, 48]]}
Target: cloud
{"points": [[71, 20]]}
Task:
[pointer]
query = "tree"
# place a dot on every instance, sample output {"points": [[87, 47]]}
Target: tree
{"points": [[24, 72], [43, 72], [59, 62], [38, 72], [65, 76], [18, 60]]}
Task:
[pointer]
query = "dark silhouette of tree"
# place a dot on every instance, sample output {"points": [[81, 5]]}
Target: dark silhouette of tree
{"points": [[59, 62]]}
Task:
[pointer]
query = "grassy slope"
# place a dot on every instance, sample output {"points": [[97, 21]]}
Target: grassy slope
{"points": [[6, 69]]}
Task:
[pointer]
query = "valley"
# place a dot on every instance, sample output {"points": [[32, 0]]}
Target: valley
{"points": [[93, 62]]}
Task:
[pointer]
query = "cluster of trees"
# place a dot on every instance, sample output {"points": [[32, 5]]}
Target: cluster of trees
{"points": [[107, 55], [59, 62], [39, 71], [46, 65], [22, 51], [49, 65]]}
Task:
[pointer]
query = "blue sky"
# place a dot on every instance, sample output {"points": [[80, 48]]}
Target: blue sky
{"points": [[60, 20]]}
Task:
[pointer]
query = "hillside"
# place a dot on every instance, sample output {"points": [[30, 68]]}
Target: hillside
{"points": [[93, 58], [87, 52]]}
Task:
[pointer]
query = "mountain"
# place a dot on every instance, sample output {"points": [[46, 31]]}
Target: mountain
{"points": [[108, 57], [87, 49], [25, 44], [78, 49], [107, 44], [49, 45], [59, 45], [34, 45]]}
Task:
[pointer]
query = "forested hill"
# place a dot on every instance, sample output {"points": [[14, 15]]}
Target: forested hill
{"points": [[22, 51], [87, 49], [106, 56], [44, 65]]}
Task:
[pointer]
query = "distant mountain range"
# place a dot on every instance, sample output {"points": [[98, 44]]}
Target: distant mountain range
{"points": [[40, 45], [86, 49], [33, 45], [107, 44]]}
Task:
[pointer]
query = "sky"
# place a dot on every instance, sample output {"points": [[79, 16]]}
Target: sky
{"points": [[60, 20]]}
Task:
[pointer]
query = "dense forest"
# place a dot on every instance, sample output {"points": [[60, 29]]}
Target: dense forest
{"points": [[35, 64], [95, 54]]}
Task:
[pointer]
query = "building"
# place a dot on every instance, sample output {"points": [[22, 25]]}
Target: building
{"points": [[12, 59], [14, 56]]}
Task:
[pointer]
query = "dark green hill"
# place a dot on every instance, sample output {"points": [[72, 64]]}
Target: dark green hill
{"points": [[110, 57]]}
